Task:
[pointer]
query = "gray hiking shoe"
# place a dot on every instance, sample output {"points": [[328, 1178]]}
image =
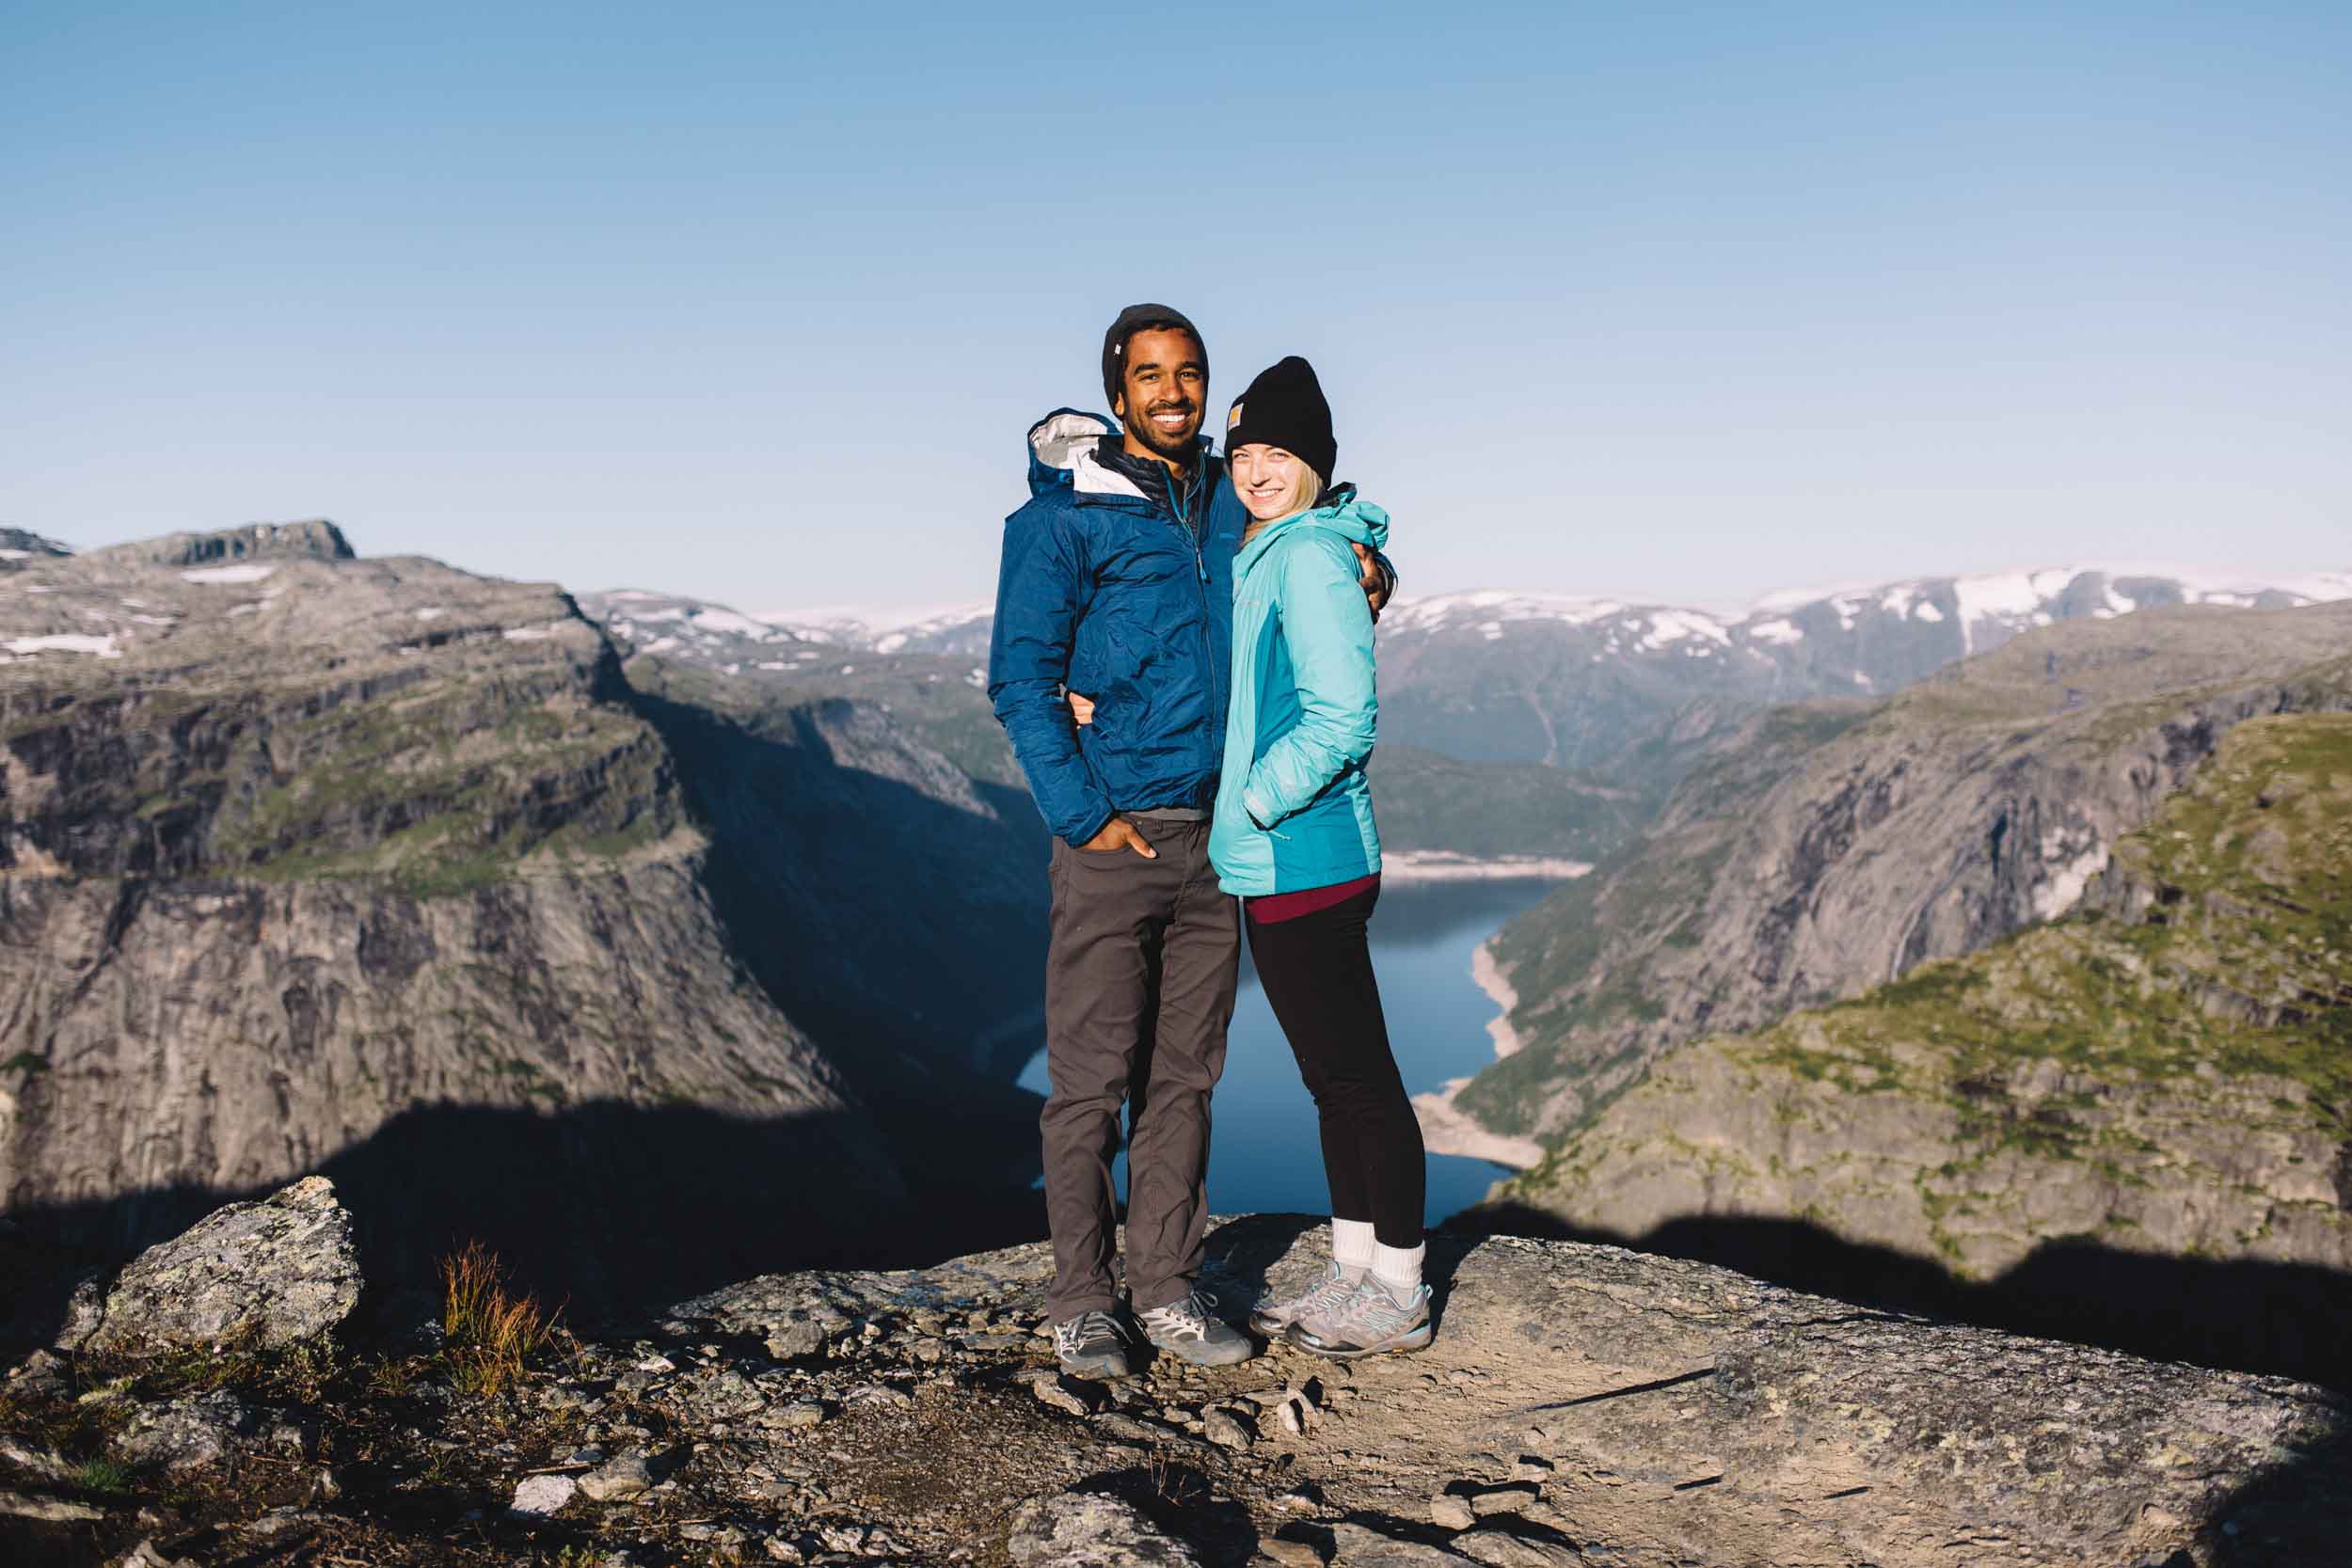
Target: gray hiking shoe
{"points": [[1092, 1345], [1190, 1330], [1271, 1317], [1368, 1322]]}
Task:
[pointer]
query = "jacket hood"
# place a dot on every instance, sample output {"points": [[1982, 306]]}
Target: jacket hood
{"points": [[1346, 514], [1057, 441], [1061, 453]]}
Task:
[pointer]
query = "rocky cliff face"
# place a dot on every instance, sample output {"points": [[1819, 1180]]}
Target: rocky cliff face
{"points": [[2166, 1071], [384, 868], [1820, 850]]}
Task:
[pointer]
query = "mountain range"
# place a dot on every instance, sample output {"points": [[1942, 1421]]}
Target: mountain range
{"points": [[1613, 698], [652, 936]]}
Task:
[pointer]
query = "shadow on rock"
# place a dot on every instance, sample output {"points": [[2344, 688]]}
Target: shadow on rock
{"points": [[1185, 1504], [2294, 1513], [608, 1209], [2286, 1319]]}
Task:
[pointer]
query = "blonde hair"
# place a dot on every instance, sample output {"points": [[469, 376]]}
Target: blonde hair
{"points": [[1311, 488]]}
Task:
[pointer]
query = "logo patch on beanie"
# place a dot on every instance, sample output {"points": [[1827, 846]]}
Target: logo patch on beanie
{"points": [[1234, 417]]}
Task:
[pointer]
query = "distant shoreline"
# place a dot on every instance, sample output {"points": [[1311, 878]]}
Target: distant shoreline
{"points": [[1444, 866], [1488, 974], [1445, 1127]]}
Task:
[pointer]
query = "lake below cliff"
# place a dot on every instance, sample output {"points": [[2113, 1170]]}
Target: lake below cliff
{"points": [[1264, 1154]]}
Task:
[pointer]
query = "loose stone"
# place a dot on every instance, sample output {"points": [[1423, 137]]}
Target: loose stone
{"points": [[1058, 1393], [1224, 1429], [541, 1495], [1503, 1500]]}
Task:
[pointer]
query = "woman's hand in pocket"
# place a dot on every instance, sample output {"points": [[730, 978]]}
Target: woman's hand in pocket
{"points": [[1081, 709]]}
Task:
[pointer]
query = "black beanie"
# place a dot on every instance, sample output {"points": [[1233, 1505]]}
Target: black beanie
{"points": [[1284, 407], [1135, 319]]}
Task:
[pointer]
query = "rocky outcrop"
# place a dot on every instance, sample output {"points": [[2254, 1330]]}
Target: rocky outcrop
{"points": [[1581, 1404], [256, 1276], [19, 546], [1090, 1531], [1821, 852]]}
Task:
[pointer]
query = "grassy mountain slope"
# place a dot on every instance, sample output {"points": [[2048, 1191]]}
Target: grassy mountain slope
{"points": [[2168, 1069], [1814, 852]]}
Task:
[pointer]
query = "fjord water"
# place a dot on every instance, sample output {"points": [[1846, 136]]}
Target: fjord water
{"points": [[1264, 1156]]}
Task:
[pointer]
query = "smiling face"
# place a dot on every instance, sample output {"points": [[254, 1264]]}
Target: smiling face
{"points": [[1164, 389], [1272, 483]]}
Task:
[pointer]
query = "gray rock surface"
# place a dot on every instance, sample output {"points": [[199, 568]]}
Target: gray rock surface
{"points": [[247, 1275], [49, 1511], [1642, 1411], [185, 1434], [1085, 1531]]}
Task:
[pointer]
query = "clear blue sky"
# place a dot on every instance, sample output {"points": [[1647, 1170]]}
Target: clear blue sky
{"points": [[754, 302]]}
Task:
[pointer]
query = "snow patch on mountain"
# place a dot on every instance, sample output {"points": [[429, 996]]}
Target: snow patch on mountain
{"points": [[887, 629], [65, 642], [1497, 606]]}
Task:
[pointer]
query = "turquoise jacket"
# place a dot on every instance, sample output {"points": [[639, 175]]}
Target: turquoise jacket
{"points": [[1294, 809]]}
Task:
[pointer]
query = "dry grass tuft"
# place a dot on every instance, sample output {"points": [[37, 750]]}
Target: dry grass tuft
{"points": [[488, 1333]]}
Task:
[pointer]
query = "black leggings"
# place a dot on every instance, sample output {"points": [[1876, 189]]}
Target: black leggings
{"points": [[1316, 969]]}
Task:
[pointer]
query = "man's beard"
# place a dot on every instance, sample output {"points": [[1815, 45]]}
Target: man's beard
{"points": [[1178, 449]]}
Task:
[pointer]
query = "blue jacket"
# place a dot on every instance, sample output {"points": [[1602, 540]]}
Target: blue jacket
{"points": [[1294, 810], [1128, 595]]}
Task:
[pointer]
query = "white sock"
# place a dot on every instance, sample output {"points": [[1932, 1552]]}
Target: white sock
{"points": [[1398, 1268], [1352, 1244]]}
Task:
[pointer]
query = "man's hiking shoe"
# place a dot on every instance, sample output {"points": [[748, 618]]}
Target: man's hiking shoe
{"points": [[1190, 1330], [1092, 1345], [1368, 1322], [1272, 1318]]}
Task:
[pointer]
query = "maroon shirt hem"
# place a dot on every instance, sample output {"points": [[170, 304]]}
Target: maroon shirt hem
{"points": [[1276, 907]]}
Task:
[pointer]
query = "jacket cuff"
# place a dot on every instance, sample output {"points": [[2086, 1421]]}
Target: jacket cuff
{"points": [[1260, 813]]}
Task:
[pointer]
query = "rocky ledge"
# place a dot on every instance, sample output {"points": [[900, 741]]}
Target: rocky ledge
{"points": [[1582, 1405]]}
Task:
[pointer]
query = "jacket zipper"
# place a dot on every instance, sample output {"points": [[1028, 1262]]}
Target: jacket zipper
{"points": [[1218, 677]]}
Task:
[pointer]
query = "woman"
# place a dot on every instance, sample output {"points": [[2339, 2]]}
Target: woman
{"points": [[1293, 837]]}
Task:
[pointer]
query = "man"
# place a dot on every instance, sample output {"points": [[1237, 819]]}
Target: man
{"points": [[1117, 581]]}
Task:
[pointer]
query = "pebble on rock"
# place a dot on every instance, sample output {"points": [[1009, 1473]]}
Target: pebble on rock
{"points": [[1056, 1393], [540, 1495], [1449, 1511], [627, 1474], [1503, 1500], [1224, 1429]]}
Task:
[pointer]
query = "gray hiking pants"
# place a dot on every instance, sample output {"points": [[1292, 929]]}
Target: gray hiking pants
{"points": [[1139, 978]]}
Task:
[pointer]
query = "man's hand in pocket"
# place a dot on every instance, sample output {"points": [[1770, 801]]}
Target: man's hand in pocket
{"points": [[1120, 833]]}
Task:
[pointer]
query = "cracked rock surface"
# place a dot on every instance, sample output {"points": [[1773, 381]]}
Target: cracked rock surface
{"points": [[1582, 1407]]}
